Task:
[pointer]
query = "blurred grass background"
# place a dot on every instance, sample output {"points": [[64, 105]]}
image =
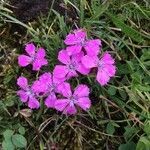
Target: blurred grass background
{"points": [[119, 118]]}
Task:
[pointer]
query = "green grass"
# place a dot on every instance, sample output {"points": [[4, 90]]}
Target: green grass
{"points": [[119, 117]]}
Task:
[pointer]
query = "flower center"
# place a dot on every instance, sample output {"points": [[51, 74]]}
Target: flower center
{"points": [[49, 89], [29, 92], [32, 57], [72, 100], [52, 87], [100, 64], [72, 66], [82, 42]]}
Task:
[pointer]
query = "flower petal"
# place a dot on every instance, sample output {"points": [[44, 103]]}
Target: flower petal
{"points": [[46, 78], [60, 87], [65, 89], [50, 100], [61, 104], [40, 53], [64, 106], [64, 57], [39, 60], [42, 85], [80, 34], [24, 60], [33, 103], [72, 50], [30, 49], [38, 63], [89, 62], [81, 91], [110, 70], [77, 57], [76, 37], [107, 59], [39, 87], [102, 77], [92, 47], [84, 103], [70, 39], [71, 74], [60, 71], [70, 110], [23, 95], [22, 82], [57, 81], [82, 69]]}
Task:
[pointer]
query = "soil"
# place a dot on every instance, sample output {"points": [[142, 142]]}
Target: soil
{"points": [[28, 10]]}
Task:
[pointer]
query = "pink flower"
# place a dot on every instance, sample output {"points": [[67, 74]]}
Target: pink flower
{"points": [[78, 98], [26, 93], [72, 64], [105, 65], [37, 59], [78, 40], [48, 85]]}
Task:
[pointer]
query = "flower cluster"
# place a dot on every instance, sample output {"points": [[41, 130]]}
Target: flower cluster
{"points": [[79, 57]]}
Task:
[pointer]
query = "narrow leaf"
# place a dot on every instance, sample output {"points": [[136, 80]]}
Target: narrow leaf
{"points": [[132, 33]]}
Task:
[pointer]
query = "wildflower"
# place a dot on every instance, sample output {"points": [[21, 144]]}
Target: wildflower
{"points": [[78, 40], [37, 59], [49, 86], [78, 98], [26, 93], [72, 64], [105, 65]]}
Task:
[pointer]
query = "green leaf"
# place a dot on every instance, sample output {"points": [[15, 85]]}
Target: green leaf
{"points": [[61, 24], [129, 132], [131, 66], [112, 91], [122, 69], [8, 78], [10, 100], [8, 145], [21, 130], [123, 94], [8, 134], [110, 129], [147, 128], [100, 10], [132, 33], [143, 144], [115, 124], [19, 141], [145, 55], [143, 88], [127, 146]]}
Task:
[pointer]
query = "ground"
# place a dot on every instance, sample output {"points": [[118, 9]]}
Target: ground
{"points": [[119, 117]]}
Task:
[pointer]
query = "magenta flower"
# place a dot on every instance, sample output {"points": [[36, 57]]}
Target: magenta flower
{"points": [[105, 65], [37, 59], [78, 98], [26, 93], [78, 40], [48, 85], [72, 65]]}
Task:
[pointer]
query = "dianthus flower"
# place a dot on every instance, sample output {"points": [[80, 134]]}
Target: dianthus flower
{"points": [[48, 85], [36, 58], [72, 65], [26, 93], [78, 40], [105, 66], [78, 98]]}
